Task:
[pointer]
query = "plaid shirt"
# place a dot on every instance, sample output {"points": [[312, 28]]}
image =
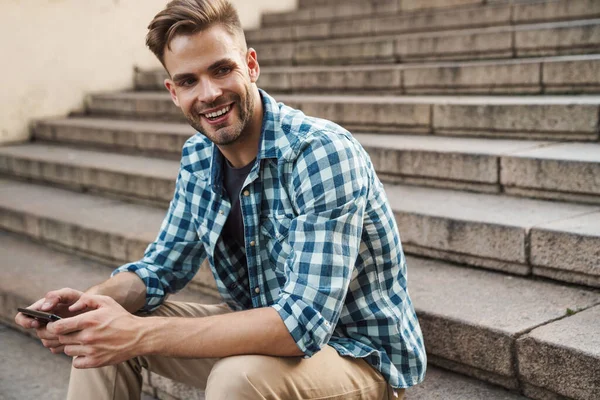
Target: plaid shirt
{"points": [[322, 245]]}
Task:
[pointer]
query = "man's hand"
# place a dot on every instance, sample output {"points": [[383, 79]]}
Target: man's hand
{"points": [[106, 335], [56, 302]]}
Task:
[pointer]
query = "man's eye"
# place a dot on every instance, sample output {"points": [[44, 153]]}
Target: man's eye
{"points": [[187, 82], [223, 70]]}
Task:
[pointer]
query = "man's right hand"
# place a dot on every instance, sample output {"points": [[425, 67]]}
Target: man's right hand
{"points": [[55, 302]]}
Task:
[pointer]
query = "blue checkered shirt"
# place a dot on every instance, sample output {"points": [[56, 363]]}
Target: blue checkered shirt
{"points": [[322, 245]]}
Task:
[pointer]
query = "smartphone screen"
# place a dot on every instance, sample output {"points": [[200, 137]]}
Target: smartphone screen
{"points": [[40, 315]]}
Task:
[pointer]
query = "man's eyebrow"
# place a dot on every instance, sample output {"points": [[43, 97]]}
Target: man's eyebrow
{"points": [[220, 63], [181, 77]]}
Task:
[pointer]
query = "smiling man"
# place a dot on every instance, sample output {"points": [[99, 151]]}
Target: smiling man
{"points": [[297, 231]]}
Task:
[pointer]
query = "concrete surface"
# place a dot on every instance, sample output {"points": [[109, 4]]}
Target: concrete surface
{"points": [[474, 317], [130, 176], [568, 74], [488, 227], [555, 38], [104, 228], [29, 371], [571, 167], [564, 357], [544, 117], [573, 245], [139, 137]]}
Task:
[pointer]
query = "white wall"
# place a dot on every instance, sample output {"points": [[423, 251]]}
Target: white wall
{"points": [[56, 51]]}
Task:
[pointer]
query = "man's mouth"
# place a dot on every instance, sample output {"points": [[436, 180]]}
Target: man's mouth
{"points": [[218, 115]]}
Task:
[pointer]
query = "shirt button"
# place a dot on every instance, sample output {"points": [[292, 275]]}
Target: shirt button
{"points": [[221, 212], [253, 243], [246, 193], [257, 290]]}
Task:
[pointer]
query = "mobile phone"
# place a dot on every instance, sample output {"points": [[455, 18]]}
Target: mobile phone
{"points": [[39, 315]]}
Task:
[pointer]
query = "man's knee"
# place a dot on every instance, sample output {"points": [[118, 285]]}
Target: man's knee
{"points": [[235, 377]]}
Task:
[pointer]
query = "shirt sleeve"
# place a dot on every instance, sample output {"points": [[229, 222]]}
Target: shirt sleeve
{"points": [[173, 259], [330, 185]]}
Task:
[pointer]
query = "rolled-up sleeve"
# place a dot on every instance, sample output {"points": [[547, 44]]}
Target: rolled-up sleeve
{"points": [[330, 185], [173, 259]]}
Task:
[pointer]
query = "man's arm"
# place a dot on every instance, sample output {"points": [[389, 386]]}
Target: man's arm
{"points": [[109, 334], [125, 288], [257, 331]]}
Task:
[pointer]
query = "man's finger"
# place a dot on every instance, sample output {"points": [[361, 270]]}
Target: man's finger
{"points": [[52, 343], [57, 350], [28, 322], [91, 301], [68, 325], [55, 297], [43, 333], [74, 350], [73, 338]]}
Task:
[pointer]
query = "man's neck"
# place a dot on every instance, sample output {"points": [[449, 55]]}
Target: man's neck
{"points": [[242, 152]]}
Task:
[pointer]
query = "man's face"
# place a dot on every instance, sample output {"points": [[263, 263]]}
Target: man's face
{"points": [[211, 81]]}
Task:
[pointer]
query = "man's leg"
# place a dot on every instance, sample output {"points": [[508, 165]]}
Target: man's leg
{"points": [[326, 375], [124, 381]]}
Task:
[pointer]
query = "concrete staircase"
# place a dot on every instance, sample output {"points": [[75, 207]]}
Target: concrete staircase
{"points": [[483, 119]]}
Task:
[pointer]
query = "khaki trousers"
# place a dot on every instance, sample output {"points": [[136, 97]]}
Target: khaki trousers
{"points": [[326, 375]]}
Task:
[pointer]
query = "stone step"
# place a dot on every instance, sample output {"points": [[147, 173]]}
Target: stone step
{"points": [[52, 377], [550, 170], [471, 320], [131, 177], [405, 4], [348, 20], [29, 271], [28, 370], [159, 139], [540, 117], [566, 171], [544, 39], [563, 74], [325, 11], [520, 236], [107, 230]]}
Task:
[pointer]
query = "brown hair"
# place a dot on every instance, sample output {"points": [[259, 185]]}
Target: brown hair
{"points": [[186, 17]]}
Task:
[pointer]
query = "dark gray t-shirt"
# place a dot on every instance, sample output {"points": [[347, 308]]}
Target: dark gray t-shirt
{"points": [[233, 179]]}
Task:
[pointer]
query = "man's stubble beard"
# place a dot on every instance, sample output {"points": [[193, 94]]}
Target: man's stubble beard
{"points": [[230, 134]]}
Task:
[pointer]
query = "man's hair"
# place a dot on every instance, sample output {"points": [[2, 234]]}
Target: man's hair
{"points": [[186, 17]]}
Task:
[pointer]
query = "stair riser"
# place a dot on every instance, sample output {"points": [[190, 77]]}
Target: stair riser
{"points": [[465, 348], [105, 247], [152, 190], [408, 5], [388, 24], [575, 122], [163, 145], [430, 20], [559, 77], [477, 45], [532, 78]]}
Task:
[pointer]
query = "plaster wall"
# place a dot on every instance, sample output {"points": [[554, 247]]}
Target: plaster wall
{"points": [[56, 51]]}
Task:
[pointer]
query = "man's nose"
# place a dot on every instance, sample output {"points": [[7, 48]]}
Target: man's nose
{"points": [[209, 91]]}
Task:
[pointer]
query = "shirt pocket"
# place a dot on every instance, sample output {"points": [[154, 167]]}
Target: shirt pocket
{"points": [[275, 230]]}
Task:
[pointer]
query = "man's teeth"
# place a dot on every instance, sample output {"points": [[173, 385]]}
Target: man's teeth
{"points": [[218, 113]]}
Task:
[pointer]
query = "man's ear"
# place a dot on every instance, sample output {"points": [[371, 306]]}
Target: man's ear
{"points": [[253, 67], [171, 88]]}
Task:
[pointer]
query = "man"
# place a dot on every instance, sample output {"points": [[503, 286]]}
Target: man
{"points": [[298, 234]]}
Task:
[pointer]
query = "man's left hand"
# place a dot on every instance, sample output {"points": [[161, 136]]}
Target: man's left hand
{"points": [[106, 335]]}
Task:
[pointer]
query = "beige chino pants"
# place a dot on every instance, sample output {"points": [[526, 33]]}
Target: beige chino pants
{"points": [[326, 375]]}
